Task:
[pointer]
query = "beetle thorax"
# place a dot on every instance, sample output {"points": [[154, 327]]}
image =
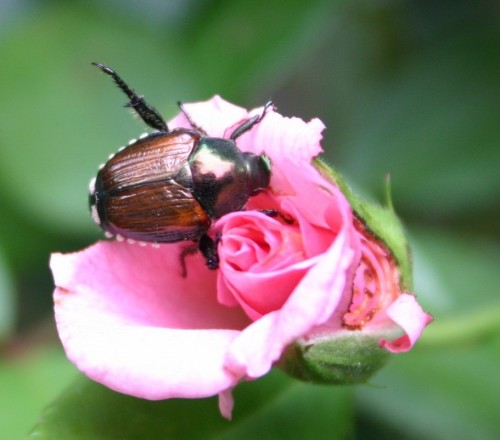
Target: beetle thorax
{"points": [[220, 176]]}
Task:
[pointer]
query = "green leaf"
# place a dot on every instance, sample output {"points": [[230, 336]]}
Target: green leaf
{"points": [[457, 279], [440, 394], [60, 116], [271, 408], [447, 386], [433, 126], [7, 306], [381, 221], [455, 273], [256, 43], [27, 383]]}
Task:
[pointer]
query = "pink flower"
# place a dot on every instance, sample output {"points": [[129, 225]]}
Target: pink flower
{"points": [[129, 320]]}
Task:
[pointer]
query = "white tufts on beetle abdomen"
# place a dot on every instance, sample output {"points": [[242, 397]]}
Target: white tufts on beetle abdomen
{"points": [[92, 186], [95, 214]]}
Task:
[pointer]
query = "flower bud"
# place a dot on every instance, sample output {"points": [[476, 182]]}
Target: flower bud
{"points": [[353, 345], [320, 289]]}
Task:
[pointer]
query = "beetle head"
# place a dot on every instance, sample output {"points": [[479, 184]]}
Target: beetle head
{"points": [[259, 172]]}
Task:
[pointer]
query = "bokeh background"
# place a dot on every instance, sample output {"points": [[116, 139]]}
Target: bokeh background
{"points": [[406, 88]]}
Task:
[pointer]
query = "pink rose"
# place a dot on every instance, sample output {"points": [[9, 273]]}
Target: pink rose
{"points": [[129, 320]]}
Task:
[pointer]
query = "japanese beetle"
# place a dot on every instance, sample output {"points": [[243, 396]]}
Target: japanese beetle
{"points": [[169, 186]]}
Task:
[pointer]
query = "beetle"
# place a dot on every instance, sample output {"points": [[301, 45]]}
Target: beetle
{"points": [[171, 185]]}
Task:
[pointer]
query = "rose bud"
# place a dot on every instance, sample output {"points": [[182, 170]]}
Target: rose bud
{"points": [[321, 288], [354, 343]]}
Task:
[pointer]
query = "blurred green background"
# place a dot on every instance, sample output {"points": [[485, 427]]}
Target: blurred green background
{"points": [[406, 88]]}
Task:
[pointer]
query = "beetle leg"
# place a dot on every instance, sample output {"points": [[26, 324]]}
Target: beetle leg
{"points": [[188, 250], [276, 213], [247, 125], [190, 120], [147, 112], [208, 248]]}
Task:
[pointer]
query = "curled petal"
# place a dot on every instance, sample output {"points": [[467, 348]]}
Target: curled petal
{"points": [[284, 138], [226, 403], [407, 313]]}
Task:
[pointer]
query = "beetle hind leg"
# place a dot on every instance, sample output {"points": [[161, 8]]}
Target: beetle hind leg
{"points": [[147, 112], [186, 252], [208, 247]]}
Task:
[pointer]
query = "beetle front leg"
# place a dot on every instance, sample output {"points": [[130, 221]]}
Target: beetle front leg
{"points": [[275, 213], [208, 247], [247, 125]]}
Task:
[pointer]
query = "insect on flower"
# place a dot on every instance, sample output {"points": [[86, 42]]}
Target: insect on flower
{"points": [[169, 186]]}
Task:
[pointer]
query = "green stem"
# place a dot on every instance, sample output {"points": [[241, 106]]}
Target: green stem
{"points": [[462, 330]]}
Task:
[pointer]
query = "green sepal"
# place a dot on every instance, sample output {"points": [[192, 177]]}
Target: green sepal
{"points": [[345, 359], [381, 221], [351, 357]]}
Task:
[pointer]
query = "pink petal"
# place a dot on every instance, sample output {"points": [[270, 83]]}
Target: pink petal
{"points": [[312, 303], [324, 216], [284, 138], [215, 116], [129, 320], [263, 256], [138, 327], [226, 403], [407, 313]]}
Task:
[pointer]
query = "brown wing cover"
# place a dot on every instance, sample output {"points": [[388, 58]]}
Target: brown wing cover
{"points": [[161, 212], [149, 160]]}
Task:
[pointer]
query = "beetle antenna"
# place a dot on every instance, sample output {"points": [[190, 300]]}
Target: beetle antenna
{"points": [[147, 112], [247, 125]]}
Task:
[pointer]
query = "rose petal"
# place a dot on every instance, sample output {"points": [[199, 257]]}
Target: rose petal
{"points": [[142, 329], [226, 403], [216, 116], [407, 313], [284, 138], [312, 303], [129, 320], [269, 269]]}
